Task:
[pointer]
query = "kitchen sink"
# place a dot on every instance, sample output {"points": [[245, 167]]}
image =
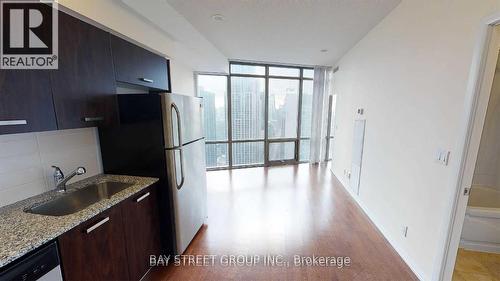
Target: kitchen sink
{"points": [[79, 199]]}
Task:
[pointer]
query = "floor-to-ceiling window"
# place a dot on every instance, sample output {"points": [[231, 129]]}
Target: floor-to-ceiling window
{"points": [[306, 114], [248, 100], [283, 113], [213, 90], [258, 115]]}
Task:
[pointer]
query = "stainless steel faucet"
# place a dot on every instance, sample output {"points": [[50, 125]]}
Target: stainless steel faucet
{"points": [[60, 180]]}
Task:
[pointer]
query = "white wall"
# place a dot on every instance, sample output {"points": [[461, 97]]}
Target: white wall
{"points": [[410, 74], [182, 78], [26, 159], [487, 171]]}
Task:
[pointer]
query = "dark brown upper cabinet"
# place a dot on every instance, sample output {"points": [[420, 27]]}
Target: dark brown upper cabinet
{"points": [[83, 87], [137, 66], [25, 101], [82, 92]]}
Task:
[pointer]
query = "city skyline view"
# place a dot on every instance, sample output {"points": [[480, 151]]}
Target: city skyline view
{"points": [[248, 116]]}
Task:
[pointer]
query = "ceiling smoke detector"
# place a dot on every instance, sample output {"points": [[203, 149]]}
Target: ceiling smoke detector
{"points": [[218, 17]]}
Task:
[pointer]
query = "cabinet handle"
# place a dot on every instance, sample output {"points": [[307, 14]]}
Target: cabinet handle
{"points": [[92, 119], [13, 122], [142, 197], [146, 80], [92, 228]]}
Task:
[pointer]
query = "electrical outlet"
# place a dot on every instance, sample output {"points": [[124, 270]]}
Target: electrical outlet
{"points": [[405, 231], [348, 174], [442, 156]]}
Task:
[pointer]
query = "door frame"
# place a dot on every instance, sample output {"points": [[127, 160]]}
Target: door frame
{"points": [[268, 141], [329, 132], [476, 102]]}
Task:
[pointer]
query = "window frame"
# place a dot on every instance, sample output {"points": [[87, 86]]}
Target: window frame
{"points": [[297, 139]]}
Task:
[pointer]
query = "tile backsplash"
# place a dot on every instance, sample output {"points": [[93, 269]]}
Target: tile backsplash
{"points": [[26, 160]]}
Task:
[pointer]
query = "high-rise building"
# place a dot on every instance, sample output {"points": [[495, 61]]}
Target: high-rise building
{"points": [[215, 129], [247, 104], [248, 116]]}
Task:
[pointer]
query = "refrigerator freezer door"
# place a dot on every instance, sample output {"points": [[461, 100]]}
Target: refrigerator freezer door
{"points": [[182, 112], [190, 198]]}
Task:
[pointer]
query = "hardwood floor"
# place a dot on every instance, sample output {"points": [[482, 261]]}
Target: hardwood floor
{"points": [[476, 266], [289, 210]]}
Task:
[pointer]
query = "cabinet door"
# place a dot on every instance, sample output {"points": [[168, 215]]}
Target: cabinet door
{"points": [[138, 66], [25, 101], [142, 231], [83, 86], [95, 250]]}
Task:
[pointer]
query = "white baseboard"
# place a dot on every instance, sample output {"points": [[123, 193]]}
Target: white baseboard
{"points": [[406, 258], [480, 246]]}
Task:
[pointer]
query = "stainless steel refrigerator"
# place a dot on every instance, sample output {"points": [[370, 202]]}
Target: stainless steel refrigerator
{"points": [[185, 154], [161, 135]]}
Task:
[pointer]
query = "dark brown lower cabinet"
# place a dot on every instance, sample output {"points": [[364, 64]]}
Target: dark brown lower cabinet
{"points": [[116, 244], [142, 232], [95, 250]]}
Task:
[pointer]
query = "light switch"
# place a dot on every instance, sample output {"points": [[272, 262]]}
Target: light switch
{"points": [[442, 156]]}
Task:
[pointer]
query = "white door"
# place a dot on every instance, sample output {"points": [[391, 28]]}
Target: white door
{"points": [[478, 114]]}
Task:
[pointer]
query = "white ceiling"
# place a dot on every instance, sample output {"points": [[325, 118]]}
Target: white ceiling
{"points": [[287, 31], [187, 44]]}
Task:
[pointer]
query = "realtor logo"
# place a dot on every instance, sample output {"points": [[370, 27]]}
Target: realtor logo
{"points": [[29, 34]]}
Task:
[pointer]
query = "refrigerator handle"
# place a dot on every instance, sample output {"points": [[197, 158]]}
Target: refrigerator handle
{"points": [[179, 139], [179, 186], [175, 109]]}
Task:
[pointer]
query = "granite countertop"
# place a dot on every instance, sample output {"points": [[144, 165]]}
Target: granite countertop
{"points": [[21, 232]]}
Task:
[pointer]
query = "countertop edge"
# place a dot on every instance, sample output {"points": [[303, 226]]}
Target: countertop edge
{"points": [[52, 227]]}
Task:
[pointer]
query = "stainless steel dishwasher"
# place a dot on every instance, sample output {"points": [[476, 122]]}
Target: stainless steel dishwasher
{"points": [[42, 264]]}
